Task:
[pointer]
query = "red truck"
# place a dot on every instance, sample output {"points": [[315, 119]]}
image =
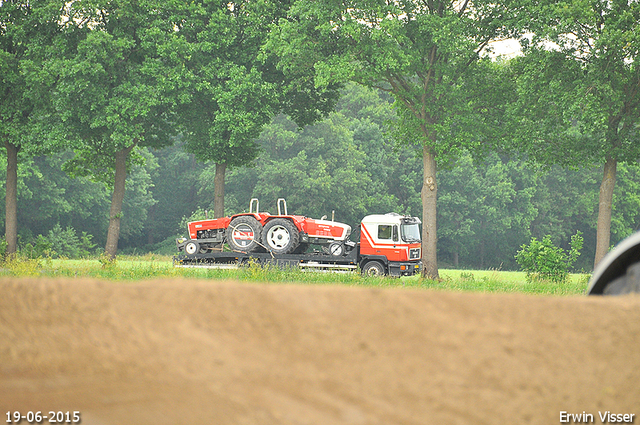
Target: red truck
{"points": [[389, 243]]}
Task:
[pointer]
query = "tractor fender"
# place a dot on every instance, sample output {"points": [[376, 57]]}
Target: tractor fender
{"points": [[259, 217], [298, 221]]}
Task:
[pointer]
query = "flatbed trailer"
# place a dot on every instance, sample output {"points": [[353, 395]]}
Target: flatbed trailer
{"points": [[321, 261], [388, 245]]}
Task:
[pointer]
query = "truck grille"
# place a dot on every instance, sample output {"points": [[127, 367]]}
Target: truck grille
{"points": [[414, 254]]}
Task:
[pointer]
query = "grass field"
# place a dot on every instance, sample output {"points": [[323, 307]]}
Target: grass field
{"points": [[154, 266]]}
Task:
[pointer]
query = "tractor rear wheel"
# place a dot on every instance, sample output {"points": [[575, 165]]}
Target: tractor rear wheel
{"points": [[244, 234], [281, 236]]}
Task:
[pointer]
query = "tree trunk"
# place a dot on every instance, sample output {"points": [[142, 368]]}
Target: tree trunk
{"points": [[429, 239], [218, 190], [11, 217], [113, 234], [605, 203]]}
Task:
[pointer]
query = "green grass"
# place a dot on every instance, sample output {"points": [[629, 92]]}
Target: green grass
{"points": [[510, 281], [130, 268]]}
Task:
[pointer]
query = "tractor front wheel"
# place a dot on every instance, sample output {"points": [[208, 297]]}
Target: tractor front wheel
{"points": [[191, 248]]}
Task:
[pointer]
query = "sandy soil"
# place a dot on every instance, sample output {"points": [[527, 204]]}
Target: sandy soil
{"points": [[207, 352]]}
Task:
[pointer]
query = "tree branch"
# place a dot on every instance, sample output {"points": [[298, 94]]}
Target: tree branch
{"points": [[463, 8]]}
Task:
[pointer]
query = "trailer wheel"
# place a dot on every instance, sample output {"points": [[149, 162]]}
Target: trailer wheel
{"points": [[373, 268], [191, 248], [281, 236], [244, 233]]}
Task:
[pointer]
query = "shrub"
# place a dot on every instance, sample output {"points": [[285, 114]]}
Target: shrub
{"points": [[86, 247], [542, 260], [3, 249], [66, 243], [22, 265], [39, 248], [108, 263]]}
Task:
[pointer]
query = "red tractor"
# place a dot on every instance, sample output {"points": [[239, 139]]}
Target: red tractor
{"points": [[257, 231]]}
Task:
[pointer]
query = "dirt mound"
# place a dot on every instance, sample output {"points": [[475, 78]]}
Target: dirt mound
{"points": [[190, 352]]}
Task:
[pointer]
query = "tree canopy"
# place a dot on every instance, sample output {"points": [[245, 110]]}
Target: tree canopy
{"points": [[229, 88], [579, 92], [110, 94], [427, 55], [100, 86], [27, 33]]}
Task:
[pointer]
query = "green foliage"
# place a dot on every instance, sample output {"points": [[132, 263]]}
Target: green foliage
{"points": [[38, 248], [577, 99], [486, 208], [430, 57], [3, 249], [228, 86], [177, 190], [320, 169], [47, 195], [27, 119], [21, 265], [27, 33], [139, 197], [66, 243], [86, 245], [108, 92], [345, 164], [63, 242], [198, 214], [625, 218], [483, 204], [108, 263], [542, 260]]}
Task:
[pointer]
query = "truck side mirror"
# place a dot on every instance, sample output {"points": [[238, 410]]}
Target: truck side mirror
{"points": [[395, 234]]}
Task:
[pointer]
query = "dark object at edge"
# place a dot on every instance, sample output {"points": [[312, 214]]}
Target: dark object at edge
{"points": [[619, 271]]}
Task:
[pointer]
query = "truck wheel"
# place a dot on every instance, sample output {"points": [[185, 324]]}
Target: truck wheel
{"points": [[191, 248], [244, 233], [373, 268], [281, 236]]}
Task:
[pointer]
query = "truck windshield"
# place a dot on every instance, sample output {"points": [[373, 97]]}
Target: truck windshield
{"points": [[410, 232]]}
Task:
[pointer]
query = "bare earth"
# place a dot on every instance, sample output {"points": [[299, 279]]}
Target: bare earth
{"points": [[210, 352]]}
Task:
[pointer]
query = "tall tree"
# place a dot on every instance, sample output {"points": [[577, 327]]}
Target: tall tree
{"points": [[428, 55], [111, 93], [27, 33], [230, 88], [579, 86]]}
